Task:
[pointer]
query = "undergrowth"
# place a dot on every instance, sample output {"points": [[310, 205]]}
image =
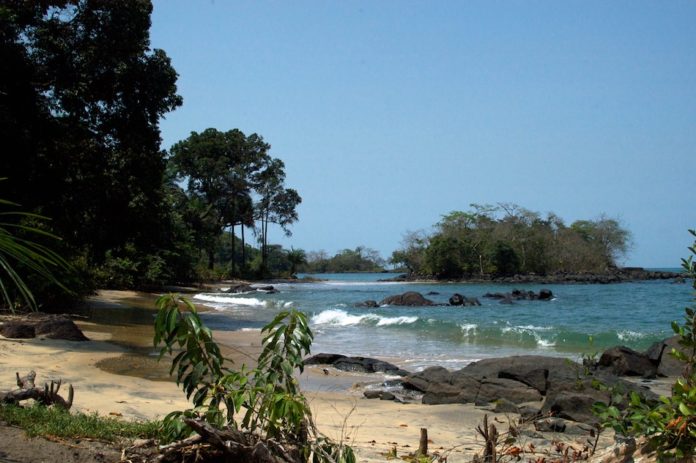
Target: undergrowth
{"points": [[56, 422]]}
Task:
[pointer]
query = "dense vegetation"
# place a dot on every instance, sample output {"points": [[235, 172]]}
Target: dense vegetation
{"points": [[81, 97], [360, 259], [507, 239]]}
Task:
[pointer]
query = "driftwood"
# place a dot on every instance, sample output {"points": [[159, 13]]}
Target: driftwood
{"points": [[48, 395], [227, 444]]}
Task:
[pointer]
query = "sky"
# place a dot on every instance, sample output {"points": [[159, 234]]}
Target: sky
{"points": [[390, 114]]}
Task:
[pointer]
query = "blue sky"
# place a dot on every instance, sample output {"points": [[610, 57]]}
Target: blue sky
{"points": [[389, 114]]}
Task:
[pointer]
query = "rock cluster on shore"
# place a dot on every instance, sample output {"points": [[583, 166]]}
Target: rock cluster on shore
{"points": [[555, 394], [41, 325]]}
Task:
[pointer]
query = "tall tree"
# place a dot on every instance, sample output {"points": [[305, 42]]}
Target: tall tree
{"points": [[217, 168], [81, 95]]}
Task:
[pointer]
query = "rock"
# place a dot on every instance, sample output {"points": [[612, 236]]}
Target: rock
{"points": [[660, 354], [432, 293], [514, 391], [386, 395], [458, 299], [622, 361], [421, 381], [574, 406], [533, 370], [408, 299], [503, 405], [372, 394], [323, 359], [239, 288], [545, 295], [529, 413], [521, 295], [17, 330], [550, 425], [368, 304], [59, 327], [367, 365], [268, 289]]}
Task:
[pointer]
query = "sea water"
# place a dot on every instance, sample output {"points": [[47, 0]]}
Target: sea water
{"points": [[581, 318]]}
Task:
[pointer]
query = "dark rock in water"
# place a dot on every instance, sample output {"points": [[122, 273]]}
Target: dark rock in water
{"points": [[520, 295], [458, 299], [368, 304], [432, 293], [323, 359], [358, 364], [59, 327], [17, 330], [372, 394], [239, 288], [408, 299], [622, 361]]}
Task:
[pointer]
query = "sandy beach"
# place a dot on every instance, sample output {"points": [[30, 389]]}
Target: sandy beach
{"points": [[116, 373]]}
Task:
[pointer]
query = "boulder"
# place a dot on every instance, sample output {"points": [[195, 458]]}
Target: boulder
{"points": [[239, 288], [550, 425], [323, 359], [545, 295], [408, 299], [623, 361], [660, 354], [497, 388], [17, 330], [574, 406], [59, 327]]}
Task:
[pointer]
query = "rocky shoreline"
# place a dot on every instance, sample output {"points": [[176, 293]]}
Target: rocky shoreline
{"points": [[621, 275]]}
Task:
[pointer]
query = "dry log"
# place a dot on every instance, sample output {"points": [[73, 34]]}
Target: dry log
{"points": [[46, 396]]}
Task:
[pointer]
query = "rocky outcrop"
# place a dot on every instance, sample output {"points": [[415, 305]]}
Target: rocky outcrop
{"points": [[407, 299], [563, 387], [355, 364], [43, 325], [458, 299]]}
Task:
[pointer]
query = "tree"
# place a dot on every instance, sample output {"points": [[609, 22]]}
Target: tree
{"points": [[217, 168], [81, 95], [296, 257], [276, 204]]}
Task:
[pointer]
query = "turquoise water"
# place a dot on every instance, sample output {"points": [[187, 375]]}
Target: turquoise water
{"points": [[631, 314]]}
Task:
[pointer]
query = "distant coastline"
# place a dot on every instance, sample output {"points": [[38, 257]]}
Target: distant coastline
{"points": [[620, 275]]}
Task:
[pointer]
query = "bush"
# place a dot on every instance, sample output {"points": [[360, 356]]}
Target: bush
{"points": [[670, 424]]}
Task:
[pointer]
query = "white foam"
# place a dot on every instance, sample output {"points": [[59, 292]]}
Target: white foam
{"points": [[288, 304], [248, 301], [385, 321], [336, 317], [251, 329], [628, 335]]}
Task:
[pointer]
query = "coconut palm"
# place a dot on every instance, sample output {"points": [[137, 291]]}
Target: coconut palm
{"points": [[20, 254]]}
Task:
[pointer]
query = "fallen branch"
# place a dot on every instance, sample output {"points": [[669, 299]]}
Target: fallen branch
{"points": [[46, 396]]}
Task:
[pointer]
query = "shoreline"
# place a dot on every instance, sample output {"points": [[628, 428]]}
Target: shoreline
{"points": [[108, 374]]}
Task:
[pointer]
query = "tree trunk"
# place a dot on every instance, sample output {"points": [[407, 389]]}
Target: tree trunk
{"points": [[243, 249], [211, 258], [232, 270]]}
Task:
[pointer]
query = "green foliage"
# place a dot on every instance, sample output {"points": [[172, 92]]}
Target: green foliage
{"points": [[506, 239], [360, 259], [21, 253], [267, 397], [58, 422], [81, 96], [670, 424]]}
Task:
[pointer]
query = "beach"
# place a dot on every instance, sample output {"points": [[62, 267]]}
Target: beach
{"points": [[372, 427]]}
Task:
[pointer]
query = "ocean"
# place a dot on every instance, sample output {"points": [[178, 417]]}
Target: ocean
{"points": [[581, 318]]}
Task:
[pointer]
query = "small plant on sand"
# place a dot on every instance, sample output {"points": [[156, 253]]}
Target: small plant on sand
{"points": [[669, 425], [273, 412]]}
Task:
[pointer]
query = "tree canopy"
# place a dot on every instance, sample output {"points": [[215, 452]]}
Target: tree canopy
{"points": [[507, 239]]}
